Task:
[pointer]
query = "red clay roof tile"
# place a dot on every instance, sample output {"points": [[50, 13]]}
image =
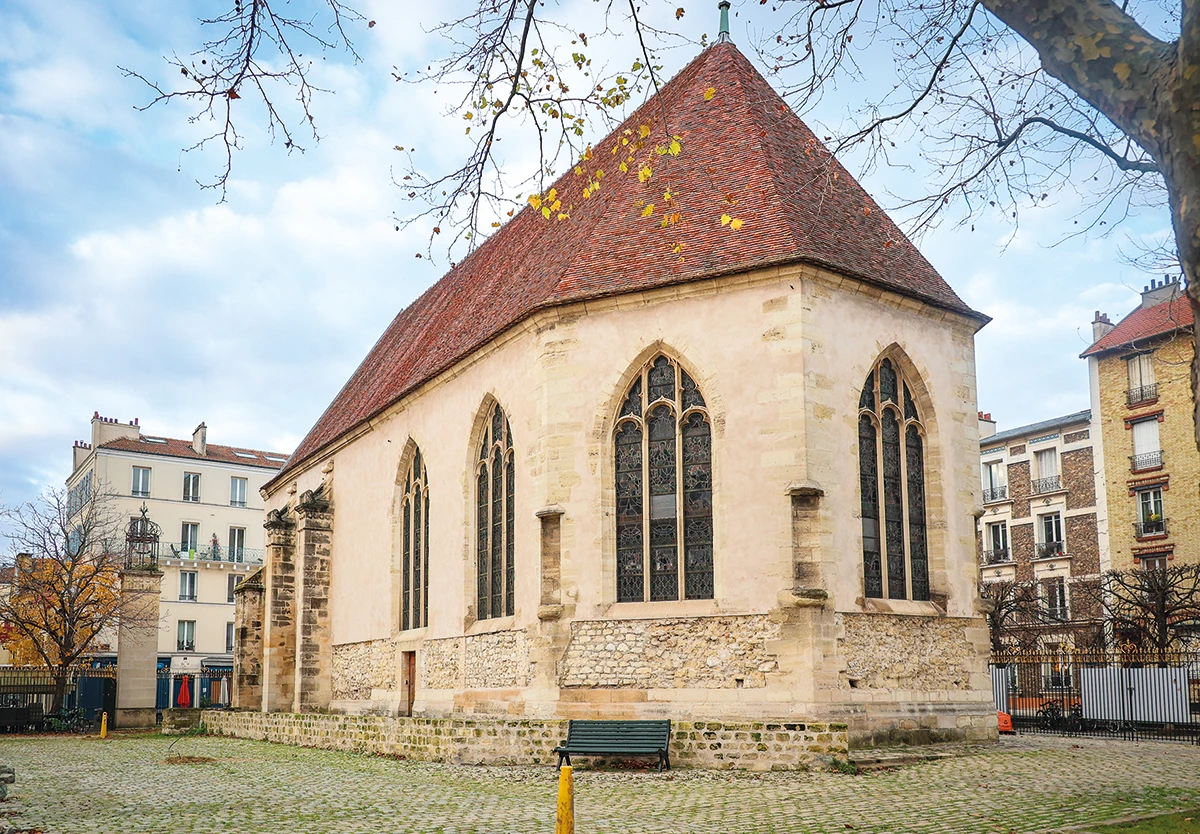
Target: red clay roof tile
{"points": [[175, 448], [798, 205], [1145, 323]]}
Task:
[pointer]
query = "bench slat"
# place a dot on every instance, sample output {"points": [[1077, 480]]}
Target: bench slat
{"points": [[616, 737]]}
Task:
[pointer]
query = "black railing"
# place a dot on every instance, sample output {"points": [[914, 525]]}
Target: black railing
{"points": [[1046, 484], [1143, 695], [187, 597], [1149, 460], [1143, 394], [181, 646], [991, 494], [1143, 529], [997, 556], [1048, 550]]}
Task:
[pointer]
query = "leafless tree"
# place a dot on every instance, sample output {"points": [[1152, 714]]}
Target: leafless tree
{"points": [[1011, 608], [1156, 610], [66, 589]]}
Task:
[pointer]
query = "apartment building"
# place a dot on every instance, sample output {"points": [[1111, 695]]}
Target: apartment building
{"points": [[205, 499], [1043, 518], [1141, 392]]}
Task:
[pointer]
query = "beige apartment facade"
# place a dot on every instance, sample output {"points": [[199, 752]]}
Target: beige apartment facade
{"points": [[205, 499], [737, 486], [1141, 393]]}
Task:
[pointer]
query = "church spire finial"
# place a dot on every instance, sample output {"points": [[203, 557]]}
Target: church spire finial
{"points": [[723, 36]]}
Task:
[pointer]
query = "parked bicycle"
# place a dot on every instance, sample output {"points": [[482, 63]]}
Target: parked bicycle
{"points": [[68, 721], [1051, 716]]}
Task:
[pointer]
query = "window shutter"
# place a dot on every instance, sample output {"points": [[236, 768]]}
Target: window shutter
{"points": [[1145, 437]]}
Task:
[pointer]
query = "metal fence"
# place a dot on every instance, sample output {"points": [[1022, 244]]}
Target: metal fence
{"points": [[1121, 695], [29, 691], [209, 688]]}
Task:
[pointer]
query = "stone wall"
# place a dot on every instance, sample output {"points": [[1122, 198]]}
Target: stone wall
{"points": [[1018, 487], [1083, 545], [704, 652], [910, 653], [479, 661], [248, 647], [1076, 436], [498, 741], [360, 667], [1079, 478], [1020, 542]]}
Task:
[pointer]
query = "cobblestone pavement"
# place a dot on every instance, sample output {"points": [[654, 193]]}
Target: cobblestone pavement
{"points": [[1025, 784]]}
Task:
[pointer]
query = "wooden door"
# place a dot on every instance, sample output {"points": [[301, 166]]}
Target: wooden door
{"points": [[409, 671]]}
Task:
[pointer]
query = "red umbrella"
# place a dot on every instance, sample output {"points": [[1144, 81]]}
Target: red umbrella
{"points": [[185, 694]]}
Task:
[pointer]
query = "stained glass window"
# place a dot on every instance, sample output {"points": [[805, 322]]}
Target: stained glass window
{"points": [[891, 466], [494, 520], [414, 545], [663, 456]]}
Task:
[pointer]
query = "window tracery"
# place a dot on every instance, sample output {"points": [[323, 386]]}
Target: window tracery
{"points": [[891, 463], [494, 519], [414, 546], [663, 454]]}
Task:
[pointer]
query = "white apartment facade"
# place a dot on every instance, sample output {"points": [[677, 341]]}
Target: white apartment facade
{"points": [[205, 498]]}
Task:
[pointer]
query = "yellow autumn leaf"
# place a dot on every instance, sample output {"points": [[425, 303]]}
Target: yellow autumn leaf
{"points": [[677, 248], [644, 131], [546, 212], [556, 205], [674, 148], [578, 171], [535, 200], [623, 168], [563, 216], [648, 210], [552, 194], [725, 218], [735, 224], [600, 174], [645, 174], [709, 93], [495, 225]]}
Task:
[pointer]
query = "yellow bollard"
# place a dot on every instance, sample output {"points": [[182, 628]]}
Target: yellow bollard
{"points": [[104, 725], [565, 822]]}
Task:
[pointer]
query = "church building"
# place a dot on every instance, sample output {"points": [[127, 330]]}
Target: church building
{"points": [[649, 464]]}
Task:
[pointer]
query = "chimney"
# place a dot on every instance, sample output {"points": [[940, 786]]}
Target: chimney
{"points": [[987, 426], [200, 439], [1101, 326], [1157, 292], [108, 429]]}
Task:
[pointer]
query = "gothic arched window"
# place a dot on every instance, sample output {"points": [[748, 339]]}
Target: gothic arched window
{"points": [[891, 467], [494, 476], [663, 445], [414, 547]]}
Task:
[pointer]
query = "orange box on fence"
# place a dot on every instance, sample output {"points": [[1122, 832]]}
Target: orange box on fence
{"points": [[1005, 722]]}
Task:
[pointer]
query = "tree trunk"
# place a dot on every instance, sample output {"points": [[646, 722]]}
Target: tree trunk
{"points": [[60, 690]]}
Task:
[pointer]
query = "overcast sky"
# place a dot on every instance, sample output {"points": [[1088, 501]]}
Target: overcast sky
{"points": [[126, 289]]}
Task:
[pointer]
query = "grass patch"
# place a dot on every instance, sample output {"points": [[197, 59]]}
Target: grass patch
{"points": [[1184, 822]]}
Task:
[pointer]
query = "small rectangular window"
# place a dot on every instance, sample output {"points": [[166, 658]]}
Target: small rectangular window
{"points": [[141, 482], [185, 636], [232, 583], [229, 638], [189, 539], [1047, 463], [1052, 537], [187, 586], [237, 492], [1141, 371], [1154, 563], [191, 486]]}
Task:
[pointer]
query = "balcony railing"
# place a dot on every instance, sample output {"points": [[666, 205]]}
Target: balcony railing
{"points": [[1144, 529], [1143, 394], [1048, 550], [1149, 460], [210, 552], [1050, 484], [992, 494], [188, 597], [997, 556], [181, 646]]}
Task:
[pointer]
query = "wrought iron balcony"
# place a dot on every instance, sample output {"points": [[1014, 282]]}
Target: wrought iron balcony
{"points": [[1048, 550], [187, 597], [1054, 482], [993, 494], [1149, 460], [181, 646], [1143, 394], [997, 556], [1145, 529], [210, 552]]}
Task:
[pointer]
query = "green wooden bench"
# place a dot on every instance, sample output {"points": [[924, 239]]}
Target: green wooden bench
{"points": [[617, 738]]}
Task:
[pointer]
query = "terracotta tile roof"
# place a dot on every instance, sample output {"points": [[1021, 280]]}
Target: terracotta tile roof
{"points": [[1143, 324], [797, 202], [175, 448], [7, 575]]}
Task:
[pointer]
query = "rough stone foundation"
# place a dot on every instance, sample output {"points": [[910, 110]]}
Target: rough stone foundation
{"points": [[360, 667], [703, 744]]}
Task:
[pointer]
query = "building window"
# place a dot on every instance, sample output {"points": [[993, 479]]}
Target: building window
{"points": [[191, 486], [237, 544], [185, 636], [237, 492], [1154, 563], [231, 584], [414, 545], [995, 485], [229, 638], [80, 494], [189, 538], [1054, 594], [1051, 543], [1151, 521], [1147, 452], [187, 586], [1142, 384], [141, 482], [996, 544], [663, 441], [891, 466], [1047, 479], [494, 489]]}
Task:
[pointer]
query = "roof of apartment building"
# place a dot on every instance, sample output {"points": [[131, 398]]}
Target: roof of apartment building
{"points": [[742, 143], [1143, 324], [1075, 419], [175, 448], [8, 574]]}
